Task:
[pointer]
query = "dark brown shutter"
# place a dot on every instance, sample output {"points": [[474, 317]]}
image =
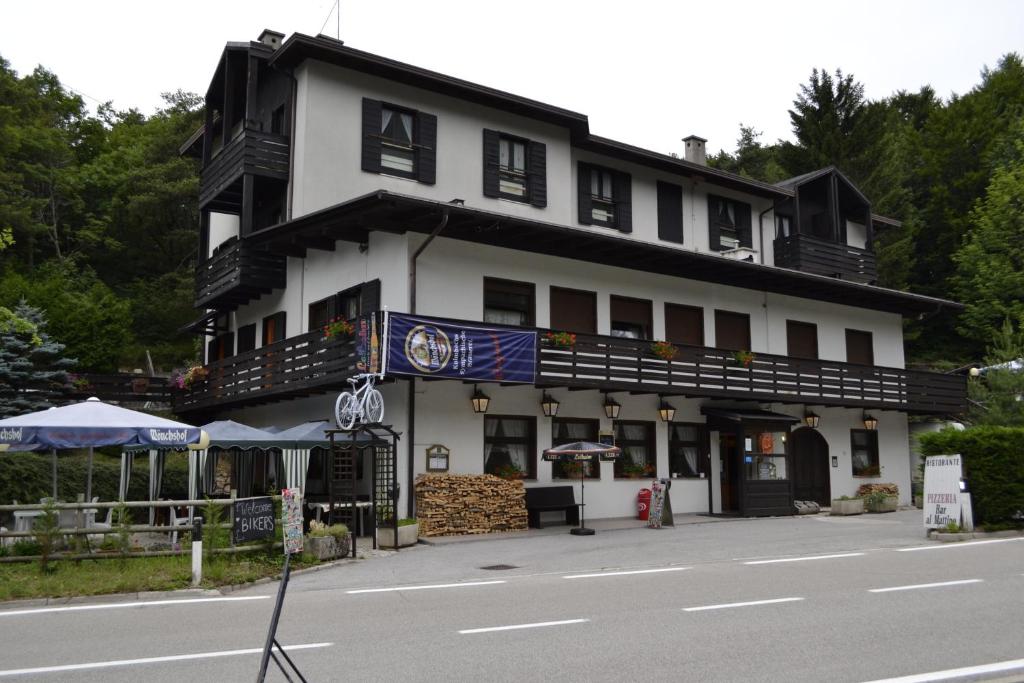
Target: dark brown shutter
{"points": [[714, 241], [670, 212], [732, 331], [622, 194], [369, 297], [684, 324], [859, 347], [583, 190], [211, 350], [246, 338], [537, 168], [371, 135], [801, 340], [492, 160], [743, 225], [632, 312], [426, 150], [573, 310]]}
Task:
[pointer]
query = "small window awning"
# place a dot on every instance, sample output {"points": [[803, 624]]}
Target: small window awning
{"points": [[730, 418]]}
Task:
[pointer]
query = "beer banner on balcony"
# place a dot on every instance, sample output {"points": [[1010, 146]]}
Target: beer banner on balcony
{"points": [[423, 347], [367, 344]]}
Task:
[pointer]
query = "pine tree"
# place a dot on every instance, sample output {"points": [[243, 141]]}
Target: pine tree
{"points": [[33, 370]]}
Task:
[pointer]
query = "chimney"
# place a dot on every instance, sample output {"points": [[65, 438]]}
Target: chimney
{"points": [[271, 39], [694, 150]]}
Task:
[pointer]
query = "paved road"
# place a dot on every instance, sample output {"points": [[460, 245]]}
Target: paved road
{"points": [[807, 599]]}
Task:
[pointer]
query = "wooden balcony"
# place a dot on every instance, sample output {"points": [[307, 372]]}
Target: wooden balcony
{"points": [[294, 368], [821, 257], [236, 274], [121, 388], [249, 152]]}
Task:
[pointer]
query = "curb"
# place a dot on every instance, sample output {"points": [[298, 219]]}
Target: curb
{"points": [[946, 537], [107, 598]]}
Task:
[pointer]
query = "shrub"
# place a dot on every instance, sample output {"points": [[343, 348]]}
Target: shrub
{"points": [[867, 490], [993, 460]]}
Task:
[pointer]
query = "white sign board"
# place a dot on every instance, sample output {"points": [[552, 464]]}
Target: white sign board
{"points": [[942, 497]]}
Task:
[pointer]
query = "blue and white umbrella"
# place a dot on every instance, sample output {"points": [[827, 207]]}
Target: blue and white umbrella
{"points": [[92, 423]]}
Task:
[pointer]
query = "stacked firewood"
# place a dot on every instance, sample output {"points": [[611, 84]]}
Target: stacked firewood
{"points": [[454, 504]]}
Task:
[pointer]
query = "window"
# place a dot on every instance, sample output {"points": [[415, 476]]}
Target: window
{"points": [[631, 318], [573, 310], [638, 458], [684, 324], [321, 312], [801, 340], [273, 328], [864, 452], [859, 347], [510, 446], [507, 302], [728, 224], [399, 141], [604, 197], [567, 430], [688, 450], [246, 338], [277, 121], [220, 347], [732, 331], [515, 168], [670, 212], [347, 304]]}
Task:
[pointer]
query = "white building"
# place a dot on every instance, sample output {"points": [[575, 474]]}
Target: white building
{"points": [[339, 183]]}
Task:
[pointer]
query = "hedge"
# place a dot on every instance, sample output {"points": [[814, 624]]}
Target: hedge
{"points": [[27, 477], [993, 466]]}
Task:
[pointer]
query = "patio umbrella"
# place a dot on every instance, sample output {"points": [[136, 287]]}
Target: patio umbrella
{"points": [[578, 451], [92, 423]]}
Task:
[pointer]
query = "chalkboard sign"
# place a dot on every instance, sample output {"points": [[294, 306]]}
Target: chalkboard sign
{"points": [[608, 439], [254, 519]]}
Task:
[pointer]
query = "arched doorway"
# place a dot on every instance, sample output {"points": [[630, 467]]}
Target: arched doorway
{"points": [[809, 455]]}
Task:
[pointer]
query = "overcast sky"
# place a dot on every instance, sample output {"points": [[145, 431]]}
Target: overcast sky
{"points": [[645, 72]]}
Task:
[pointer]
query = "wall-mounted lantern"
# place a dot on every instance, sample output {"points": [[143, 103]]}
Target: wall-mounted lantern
{"points": [[549, 405], [811, 420], [611, 407], [480, 401], [870, 422], [666, 412]]}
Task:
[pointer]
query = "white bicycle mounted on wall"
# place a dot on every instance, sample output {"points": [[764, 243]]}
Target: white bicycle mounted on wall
{"points": [[363, 405]]}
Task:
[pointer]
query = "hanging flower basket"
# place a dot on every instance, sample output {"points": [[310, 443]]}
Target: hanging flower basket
{"points": [[193, 376], [744, 358], [664, 350], [339, 328], [563, 340]]}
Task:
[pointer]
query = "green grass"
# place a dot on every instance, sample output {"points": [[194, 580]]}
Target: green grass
{"points": [[132, 575]]}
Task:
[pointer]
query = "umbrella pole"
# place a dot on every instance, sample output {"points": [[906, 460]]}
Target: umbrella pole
{"points": [[582, 530], [88, 478], [53, 459]]}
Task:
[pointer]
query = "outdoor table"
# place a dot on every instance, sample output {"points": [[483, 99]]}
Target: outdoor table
{"points": [[361, 507], [25, 519]]}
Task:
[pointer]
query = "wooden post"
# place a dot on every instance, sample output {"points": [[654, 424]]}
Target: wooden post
{"points": [[197, 552]]}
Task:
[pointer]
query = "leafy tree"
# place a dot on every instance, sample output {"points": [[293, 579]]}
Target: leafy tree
{"points": [[997, 395], [33, 369]]}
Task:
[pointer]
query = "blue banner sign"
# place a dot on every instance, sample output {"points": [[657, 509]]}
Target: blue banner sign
{"points": [[431, 347]]}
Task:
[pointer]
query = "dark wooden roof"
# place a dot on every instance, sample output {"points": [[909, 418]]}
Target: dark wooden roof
{"points": [[397, 213]]}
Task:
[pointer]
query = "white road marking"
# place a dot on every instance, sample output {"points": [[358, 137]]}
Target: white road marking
{"points": [[728, 605], [125, 605], [801, 559], [948, 674], [151, 660], [539, 624], [964, 544], [419, 588], [626, 573], [923, 585]]}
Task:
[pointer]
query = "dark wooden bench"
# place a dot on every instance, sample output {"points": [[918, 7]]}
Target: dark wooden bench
{"points": [[551, 499]]}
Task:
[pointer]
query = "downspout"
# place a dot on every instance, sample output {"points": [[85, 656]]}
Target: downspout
{"points": [[411, 401]]}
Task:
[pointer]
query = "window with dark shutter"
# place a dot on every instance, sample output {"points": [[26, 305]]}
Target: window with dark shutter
{"points": [[622, 192], [684, 324], [859, 347], [631, 318], [426, 148], [537, 169], [573, 310], [508, 302], [399, 141], [583, 193], [371, 135], [732, 331], [491, 144], [246, 338], [369, 297], [728, 224], [322, 312], [221, 347], [670, 212], [274, 328], [801, 340]]}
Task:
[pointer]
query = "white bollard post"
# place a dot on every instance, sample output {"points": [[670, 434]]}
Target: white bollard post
{"points": [[197, 553]]}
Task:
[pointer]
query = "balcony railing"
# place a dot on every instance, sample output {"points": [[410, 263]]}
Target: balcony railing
{"points": [[821, 257], [251, 151], [300, 366], [310, 364], [236, 274], [124, 388]]}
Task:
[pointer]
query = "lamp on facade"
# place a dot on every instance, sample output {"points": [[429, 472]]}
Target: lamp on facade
{"points": [[611, 407], [480, 400], [811, 420], [870, 422], [549, 405], [666, 412]]}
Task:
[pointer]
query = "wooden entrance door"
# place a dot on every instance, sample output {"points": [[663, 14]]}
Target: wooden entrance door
{"points": [[730, 474], [811, 476]]}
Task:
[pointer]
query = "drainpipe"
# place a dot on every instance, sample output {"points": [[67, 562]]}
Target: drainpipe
{"points": [[411, 402]]}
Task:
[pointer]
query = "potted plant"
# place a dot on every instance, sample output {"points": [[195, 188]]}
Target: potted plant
{"points": [[845, 505], [879, 497], [408, 533], [510, 471], [664, 350], [194, 375], [744, 358], [571, 469], [562, 340], [339, 328], [321, 542]]}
